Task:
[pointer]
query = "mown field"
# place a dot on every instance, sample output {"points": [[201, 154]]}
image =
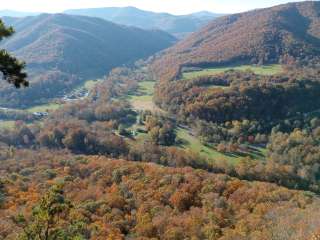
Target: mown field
{"points": [[189, 141], [142, 99], [88, 85], [44, 107], [261, 70], [7, 124], [193, 143]]}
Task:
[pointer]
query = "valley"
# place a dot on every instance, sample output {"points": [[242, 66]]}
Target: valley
{"points": [[6, 124], [141, 100], [132, 124], [71, 49]]}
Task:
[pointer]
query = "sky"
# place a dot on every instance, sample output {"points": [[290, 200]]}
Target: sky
{"points": [[171, 6]]}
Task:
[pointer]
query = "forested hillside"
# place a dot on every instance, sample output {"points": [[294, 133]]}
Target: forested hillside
{"points": [[286, 36], [275, 35], [237, 95], [120, 200], [251, 80], [61, 51]]}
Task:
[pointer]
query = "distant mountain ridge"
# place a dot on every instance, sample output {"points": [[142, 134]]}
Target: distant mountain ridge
{"points": [[77, 46], [178, 25], [261, 36], [174, 24], [56, 35]]}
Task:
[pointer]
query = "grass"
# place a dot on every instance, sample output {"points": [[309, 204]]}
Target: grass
{"points": [[194, 144], [44, 108], [189, 142], [88, 85], [10, 124], [142, 99], [7, 124], [261, 70], [145, 92]]}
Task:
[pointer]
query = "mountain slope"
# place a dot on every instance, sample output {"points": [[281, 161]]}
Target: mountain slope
{"points": [[260, 36], [148, 20], [80, 46]]}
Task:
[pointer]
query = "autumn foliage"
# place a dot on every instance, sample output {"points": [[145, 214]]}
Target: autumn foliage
{"points": [[118, 199]]}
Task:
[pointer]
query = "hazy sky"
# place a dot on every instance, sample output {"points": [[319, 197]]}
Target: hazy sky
{"points": [[172, 6]]}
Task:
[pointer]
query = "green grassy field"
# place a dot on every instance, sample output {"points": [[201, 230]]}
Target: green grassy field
{"points": [[194, 144], [142, 99], [7, 124], [88, 85], [44, 108], [261, 70], [145, 92]]}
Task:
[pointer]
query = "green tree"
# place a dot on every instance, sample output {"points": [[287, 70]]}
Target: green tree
{"points": [[52, 219], [167, 135], [76, 140], [11, 68], [2, 192], [123, 131]]}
